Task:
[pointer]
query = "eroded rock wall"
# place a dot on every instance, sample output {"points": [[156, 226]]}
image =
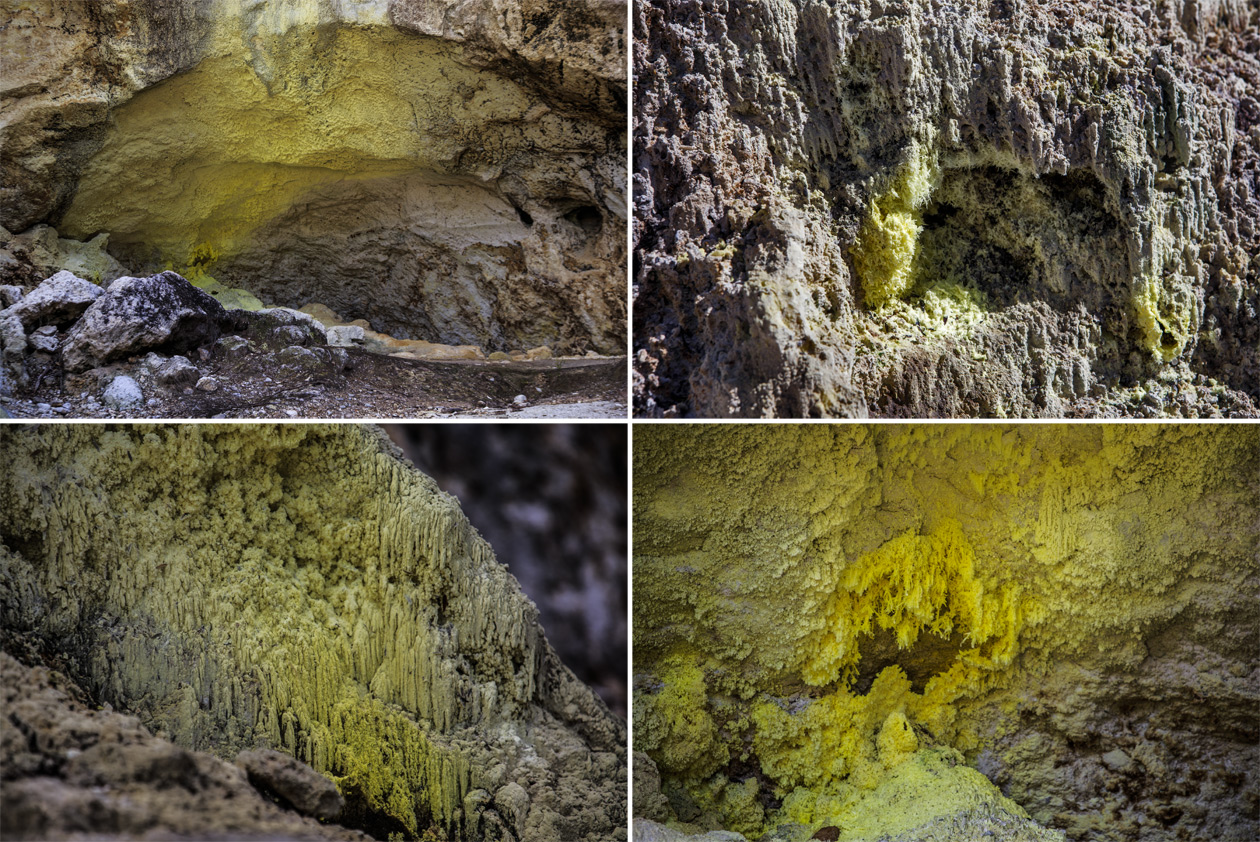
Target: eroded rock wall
{"points": [[917, 207], [451, 172], [302, 588], [854, 626]]}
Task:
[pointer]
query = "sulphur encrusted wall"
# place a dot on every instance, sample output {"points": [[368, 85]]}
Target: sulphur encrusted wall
{"points": [[303, 588], [1072, 608], [451, 172]]}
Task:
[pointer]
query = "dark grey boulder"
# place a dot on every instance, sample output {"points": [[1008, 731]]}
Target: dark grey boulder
{"points": [[138, 314]]}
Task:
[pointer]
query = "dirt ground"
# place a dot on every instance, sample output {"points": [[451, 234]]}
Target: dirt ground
{"points": [[368, 385]]}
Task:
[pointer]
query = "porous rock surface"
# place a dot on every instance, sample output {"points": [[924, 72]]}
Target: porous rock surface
{"points": [[58, 300], [303, 589], [309, 792], [448, 171], [72, 771], [929, 208], [901, 630]]}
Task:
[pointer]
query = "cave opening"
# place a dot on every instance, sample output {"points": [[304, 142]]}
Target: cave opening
{"points": [[930, 656], [1014, 238], [586, 217]]}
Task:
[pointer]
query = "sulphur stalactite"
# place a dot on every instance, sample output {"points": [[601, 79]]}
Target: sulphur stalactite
{"points": [[868, 627], [300, 588]]}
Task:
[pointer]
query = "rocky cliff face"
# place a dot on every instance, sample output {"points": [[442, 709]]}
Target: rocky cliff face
{"points": [[916, 207], [303, 589], [450, 172], [889, 630]]}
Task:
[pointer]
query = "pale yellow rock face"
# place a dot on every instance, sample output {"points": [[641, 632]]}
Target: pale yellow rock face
{"points": [[451, 174]]}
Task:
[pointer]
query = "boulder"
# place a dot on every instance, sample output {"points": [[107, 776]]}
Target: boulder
{"points": [[297, 784], [178, 371], [13, 342], [123, 394], [345, 336], [59, 300], [138, 314]]}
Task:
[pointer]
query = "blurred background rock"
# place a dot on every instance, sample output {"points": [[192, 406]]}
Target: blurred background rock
{"points": [[551, 500]]}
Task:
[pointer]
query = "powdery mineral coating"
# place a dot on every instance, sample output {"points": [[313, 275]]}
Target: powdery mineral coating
{"points": [[817, 608], [301, 588], [450, 172], [918, 208]]}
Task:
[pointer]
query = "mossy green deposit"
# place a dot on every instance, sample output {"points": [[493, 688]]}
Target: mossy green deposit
{"points": [[828, 617], [294, 587]]}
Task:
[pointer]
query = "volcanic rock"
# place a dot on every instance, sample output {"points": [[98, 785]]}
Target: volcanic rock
{"points": [[918, 208], [299, 785], [137, 314], [59, 300]]}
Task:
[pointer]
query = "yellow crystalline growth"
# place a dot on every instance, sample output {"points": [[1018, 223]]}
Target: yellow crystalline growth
{"points": [[911, 585], [279, 586], [868, 605], [677, 724], [926, 785], [272, 116], [1163, 327], [888, 241]]}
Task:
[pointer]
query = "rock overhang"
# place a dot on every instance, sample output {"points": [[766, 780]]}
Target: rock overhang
{"points": [[419, 170]]}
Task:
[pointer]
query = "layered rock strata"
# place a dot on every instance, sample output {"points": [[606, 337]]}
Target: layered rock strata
{"points": [[914, 207], [450, 172], [892, 629], [302, 589]]}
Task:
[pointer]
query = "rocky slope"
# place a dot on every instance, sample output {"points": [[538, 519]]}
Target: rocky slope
{"points": [[303, 589], [72, 771], [926, 208], [160, 347], [450, 172], [901, 632]]}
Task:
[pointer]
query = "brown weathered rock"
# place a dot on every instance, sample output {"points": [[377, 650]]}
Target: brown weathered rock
{"points": [[73, 772], [307, 791]]}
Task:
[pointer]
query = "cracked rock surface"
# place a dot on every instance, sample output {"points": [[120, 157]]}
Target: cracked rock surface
{"points": [[1012, 208], [72, 771]]}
